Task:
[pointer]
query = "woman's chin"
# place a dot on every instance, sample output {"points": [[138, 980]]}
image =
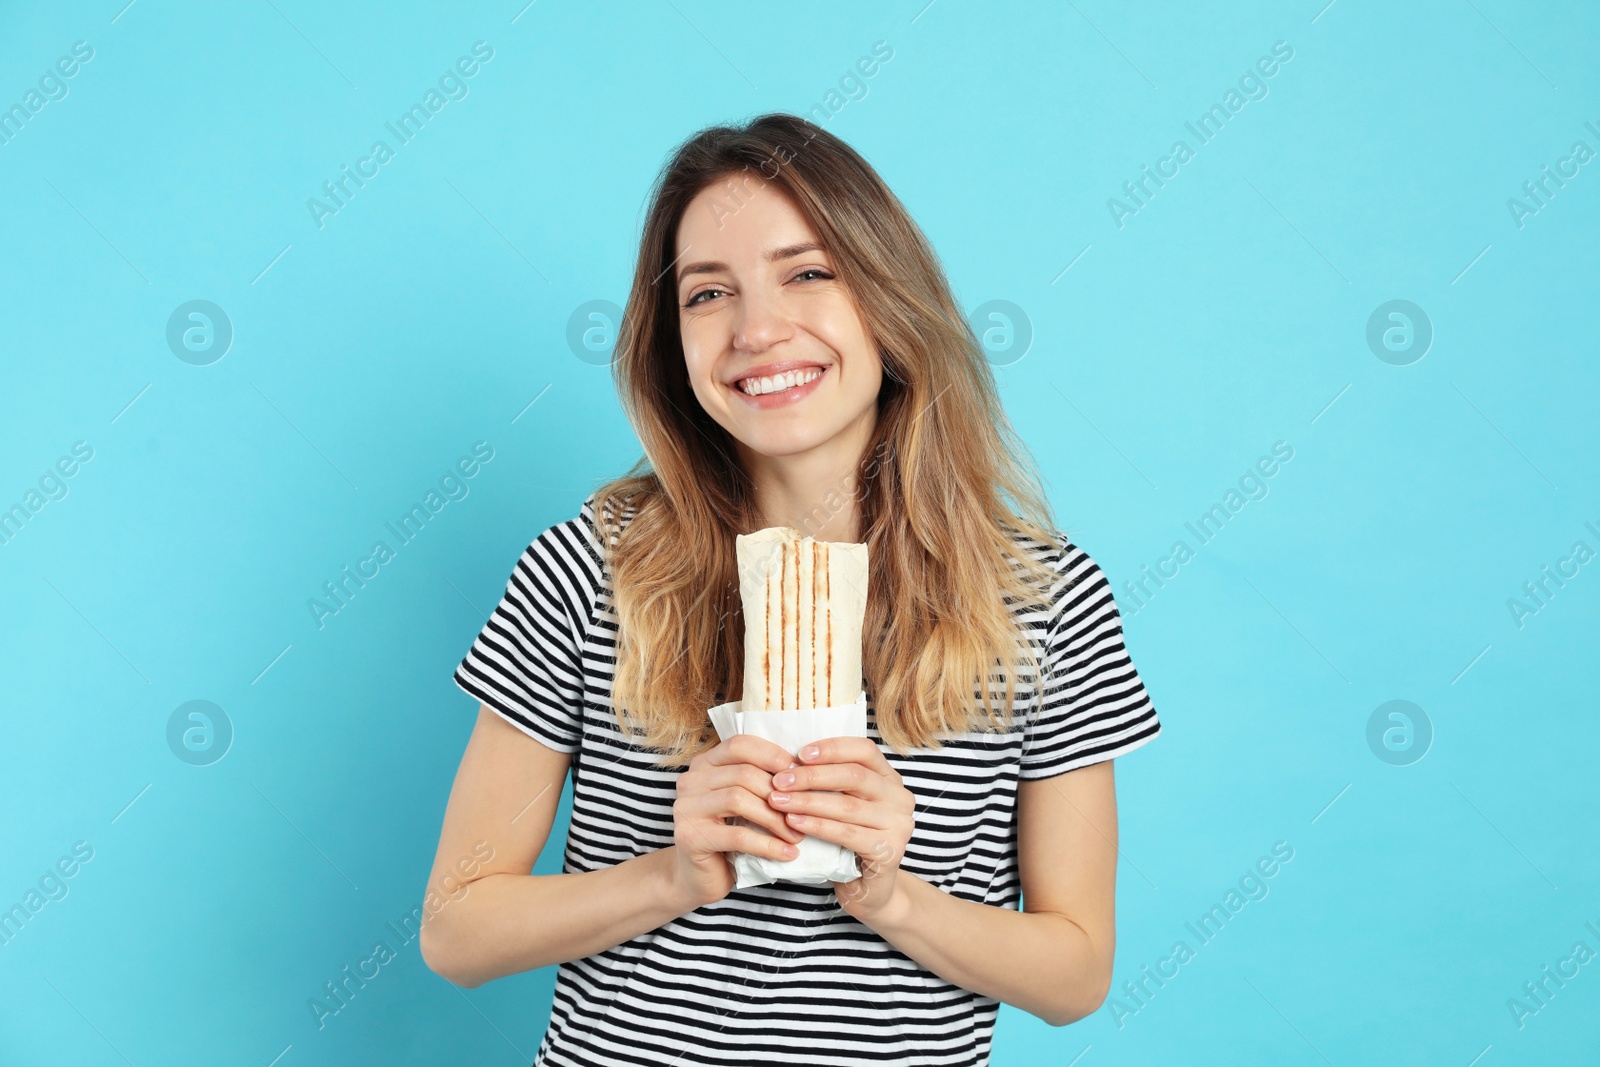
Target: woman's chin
{"points": [[775, 444]]}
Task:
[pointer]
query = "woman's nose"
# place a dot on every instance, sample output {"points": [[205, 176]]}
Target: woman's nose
{"points": [[759, 321]]}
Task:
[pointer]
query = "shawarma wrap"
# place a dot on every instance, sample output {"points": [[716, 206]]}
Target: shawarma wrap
{"points": [[804, 604]]}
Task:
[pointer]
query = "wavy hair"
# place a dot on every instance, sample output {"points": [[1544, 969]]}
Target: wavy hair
{"points": [[942, 489]]}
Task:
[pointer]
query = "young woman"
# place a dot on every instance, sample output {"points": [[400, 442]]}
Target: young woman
{"points": [[791, 355]]}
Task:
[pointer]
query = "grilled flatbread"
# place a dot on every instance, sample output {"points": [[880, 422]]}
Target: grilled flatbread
{"points": [[804, 603]]}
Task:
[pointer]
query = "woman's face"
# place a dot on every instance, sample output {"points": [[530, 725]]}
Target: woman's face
{"points": [[758, 298]]}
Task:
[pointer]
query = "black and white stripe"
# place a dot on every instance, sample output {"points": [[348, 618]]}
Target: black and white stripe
{"points": [[778, 973]]}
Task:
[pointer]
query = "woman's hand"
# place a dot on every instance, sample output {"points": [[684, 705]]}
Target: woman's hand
{"points": [[871, 813], [732, 779]]}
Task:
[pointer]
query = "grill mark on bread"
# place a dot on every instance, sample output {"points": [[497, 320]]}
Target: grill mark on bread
{"points": [[783, 626], [814, 621], [791, 555], [827, 593], [766, 649]]}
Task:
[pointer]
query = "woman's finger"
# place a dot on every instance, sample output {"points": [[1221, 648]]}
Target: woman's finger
{"points": [[858, 839], [840, 807], [756, 843], [756, 780], [853, 778], [862, 750], [733, 837], [713, 790], [748, 748], [737, 800]]}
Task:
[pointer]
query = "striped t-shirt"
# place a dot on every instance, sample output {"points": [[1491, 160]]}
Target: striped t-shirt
{"points": [[778, 973]]}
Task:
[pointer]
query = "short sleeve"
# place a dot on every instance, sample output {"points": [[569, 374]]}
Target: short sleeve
{"points": [[527, 662], [1093, 705]]}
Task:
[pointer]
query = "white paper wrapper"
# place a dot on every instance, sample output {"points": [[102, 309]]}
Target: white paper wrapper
{"points": [[819, 861]]}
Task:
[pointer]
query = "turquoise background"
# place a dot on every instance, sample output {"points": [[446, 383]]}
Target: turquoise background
{"points": [[1227, 314]]}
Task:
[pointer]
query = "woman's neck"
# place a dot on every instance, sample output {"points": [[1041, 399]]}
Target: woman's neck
{"points": [[816, 492]]}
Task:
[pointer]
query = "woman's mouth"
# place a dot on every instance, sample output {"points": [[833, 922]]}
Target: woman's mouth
{"points": [[779, 389]]}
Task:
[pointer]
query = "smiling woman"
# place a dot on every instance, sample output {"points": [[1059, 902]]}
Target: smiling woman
{"points": [[770, 355]]}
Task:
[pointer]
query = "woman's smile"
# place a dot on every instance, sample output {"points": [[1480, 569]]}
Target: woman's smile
{"points": [[779, 390]]}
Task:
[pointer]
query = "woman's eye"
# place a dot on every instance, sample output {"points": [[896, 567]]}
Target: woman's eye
{"points": [[695, 299], [818, 271]]}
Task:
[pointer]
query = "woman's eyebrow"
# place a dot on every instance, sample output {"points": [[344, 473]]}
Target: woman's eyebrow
{"points": [[774, 255]]}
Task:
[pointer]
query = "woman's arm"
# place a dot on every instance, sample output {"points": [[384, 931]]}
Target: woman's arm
{"points": [[1052, 959], [484, 915]]}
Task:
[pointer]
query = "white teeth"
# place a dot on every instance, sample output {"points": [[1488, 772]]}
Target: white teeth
{"points": [[777, 383]]}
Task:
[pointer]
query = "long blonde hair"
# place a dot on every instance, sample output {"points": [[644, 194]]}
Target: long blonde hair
{"points": [[942, 489]]}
